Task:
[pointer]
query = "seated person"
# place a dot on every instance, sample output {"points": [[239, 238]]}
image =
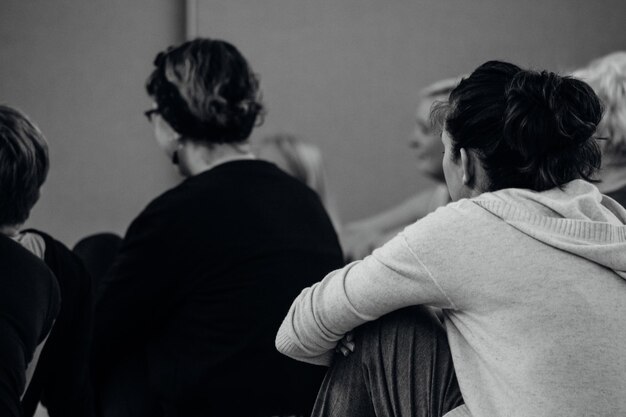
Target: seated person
{"points": [[29, 304], [186, 316], [528, 265], [61, 378], [607, 76], [360, 237]]}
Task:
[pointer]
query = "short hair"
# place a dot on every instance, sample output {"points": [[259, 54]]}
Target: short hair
{"points": [[607, 77], [206, 91], [23, 165], [529, 129]]}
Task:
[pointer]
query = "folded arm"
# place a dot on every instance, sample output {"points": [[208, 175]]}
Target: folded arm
{"points": [[391, 278]]}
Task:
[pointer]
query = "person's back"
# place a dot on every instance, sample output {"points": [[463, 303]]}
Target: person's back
{"points": [[248, 239], [61, 380], [186, 316], [29, 303], [302, 160], [528, 263], [539, 313]]}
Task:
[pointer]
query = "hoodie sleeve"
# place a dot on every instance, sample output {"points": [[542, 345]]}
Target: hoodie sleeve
{"points": [[391, 278]]}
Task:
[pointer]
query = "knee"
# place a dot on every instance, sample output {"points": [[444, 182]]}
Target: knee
{"points": [[414, 327]]}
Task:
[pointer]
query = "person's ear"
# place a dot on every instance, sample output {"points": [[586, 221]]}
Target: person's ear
{"points": [[467, 167]]}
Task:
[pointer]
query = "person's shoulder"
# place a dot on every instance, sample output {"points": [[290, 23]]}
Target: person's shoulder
{"points": [[449, 213], [19, 260], [50, 242], [25, 275], [196, 187], [64, 263], [166, 205], [454, 219], [277, 178], [53, 247]]}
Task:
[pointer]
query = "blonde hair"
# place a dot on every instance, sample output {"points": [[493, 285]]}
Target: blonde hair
{"points": [[607, 76], [440, 88]]}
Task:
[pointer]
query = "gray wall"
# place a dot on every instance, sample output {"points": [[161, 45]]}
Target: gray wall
{"points": [[78, 69], [342, 73]]}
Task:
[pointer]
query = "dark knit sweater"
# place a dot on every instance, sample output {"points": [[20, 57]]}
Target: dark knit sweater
{"points": [[29, 303], [61, 380], [187, 316]]}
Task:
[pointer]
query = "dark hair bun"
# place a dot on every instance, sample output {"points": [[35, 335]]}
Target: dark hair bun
{"points": [[530, 129], [206, 91], [546, 113]]}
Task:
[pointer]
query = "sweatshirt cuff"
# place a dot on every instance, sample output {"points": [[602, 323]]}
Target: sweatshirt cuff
{"points": [[286, 346]]}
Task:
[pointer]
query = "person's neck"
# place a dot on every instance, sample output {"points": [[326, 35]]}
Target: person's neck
{"points": [[196, 158]]}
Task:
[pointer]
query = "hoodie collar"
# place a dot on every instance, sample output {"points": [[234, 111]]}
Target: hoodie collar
{"points": [[577, 219]]}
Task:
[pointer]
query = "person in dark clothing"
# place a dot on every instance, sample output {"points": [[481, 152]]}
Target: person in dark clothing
{"points": [[97, 252], [61, 381], [186, 317], [61, 378], [29, 303]]}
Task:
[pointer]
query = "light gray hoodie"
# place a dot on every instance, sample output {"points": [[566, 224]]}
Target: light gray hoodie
{"points": [[533, 290]]}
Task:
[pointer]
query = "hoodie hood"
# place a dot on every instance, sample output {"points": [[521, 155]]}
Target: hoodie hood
{"points": [[576, 219]]}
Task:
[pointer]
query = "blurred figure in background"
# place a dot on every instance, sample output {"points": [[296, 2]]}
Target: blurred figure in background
{"points": [[98, 251], [186, 317], [360, 237], [607, 76], [61, 378], [301, 160]]}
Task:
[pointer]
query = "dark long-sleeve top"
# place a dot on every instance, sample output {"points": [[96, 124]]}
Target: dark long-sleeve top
{"points": [[203, 279], [61, 380], [29, 303]]}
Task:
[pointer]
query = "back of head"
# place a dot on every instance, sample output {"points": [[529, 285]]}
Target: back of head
{"points": [[23, 166], [206, 91], [607, 76], [529, 129]]}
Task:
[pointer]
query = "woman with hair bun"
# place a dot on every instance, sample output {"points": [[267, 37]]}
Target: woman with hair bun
{"points": [[528, 264], [186, 316]]}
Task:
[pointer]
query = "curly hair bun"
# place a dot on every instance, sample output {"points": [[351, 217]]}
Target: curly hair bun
{"points": [[546, 113], [207, 92], [530, 129]]}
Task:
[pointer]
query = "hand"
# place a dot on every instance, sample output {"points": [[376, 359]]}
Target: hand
{"points": [[346, 345]]}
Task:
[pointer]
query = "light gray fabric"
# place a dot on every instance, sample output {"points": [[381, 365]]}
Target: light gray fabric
{"points": [[31, 241], [532, 289]]}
